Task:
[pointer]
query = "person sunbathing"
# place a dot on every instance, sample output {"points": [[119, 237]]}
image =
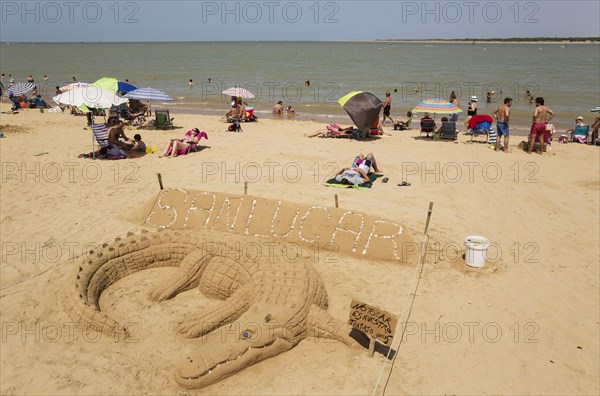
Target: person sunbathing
{"points": [[176, 145], [332, 129], [358, 172]]}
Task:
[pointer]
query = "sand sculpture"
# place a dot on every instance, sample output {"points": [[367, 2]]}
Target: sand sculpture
{"points": [[319, 227], [271, 301]]}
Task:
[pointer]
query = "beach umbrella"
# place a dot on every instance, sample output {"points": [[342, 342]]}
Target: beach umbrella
{"points": [[436, 106], [363, 108], [149, 94], [113, 85], [19, 89], [91, 97], [239, 92], [74, 85]]}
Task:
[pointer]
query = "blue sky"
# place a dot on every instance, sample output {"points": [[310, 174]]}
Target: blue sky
{"points": [[66, 20]]}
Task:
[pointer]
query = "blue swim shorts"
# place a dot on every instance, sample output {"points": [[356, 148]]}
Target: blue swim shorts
{"points": [[502, 128]]}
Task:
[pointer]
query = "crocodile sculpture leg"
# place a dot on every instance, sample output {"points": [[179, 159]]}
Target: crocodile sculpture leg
{"points": [[323, 325], [188, 276], [227, 312]]}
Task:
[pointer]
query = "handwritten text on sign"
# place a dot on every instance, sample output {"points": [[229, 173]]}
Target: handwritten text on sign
{"points": [[372, 321]]}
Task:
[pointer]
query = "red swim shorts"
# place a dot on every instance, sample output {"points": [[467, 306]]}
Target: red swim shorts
{"points": [[537, 128]]}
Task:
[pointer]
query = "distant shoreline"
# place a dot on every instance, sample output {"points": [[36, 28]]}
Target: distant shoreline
{"points": [[475, 42], [380, 41]]}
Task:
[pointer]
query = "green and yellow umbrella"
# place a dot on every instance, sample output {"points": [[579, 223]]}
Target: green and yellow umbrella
{"points": [[362, 107], [113, 85]]}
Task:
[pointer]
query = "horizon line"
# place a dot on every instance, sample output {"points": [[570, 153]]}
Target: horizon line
{"points": [[581, 39]]}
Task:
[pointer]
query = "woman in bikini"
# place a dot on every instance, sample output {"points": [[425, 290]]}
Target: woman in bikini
{"points": [[176, 145]]}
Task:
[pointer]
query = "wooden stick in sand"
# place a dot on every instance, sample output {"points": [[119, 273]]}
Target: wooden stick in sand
{"points": [[245, 188], [428, 217], [160, 180], [336, 201]]}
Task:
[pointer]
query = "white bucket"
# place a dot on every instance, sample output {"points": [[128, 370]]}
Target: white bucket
{"points": [[476, 253]]}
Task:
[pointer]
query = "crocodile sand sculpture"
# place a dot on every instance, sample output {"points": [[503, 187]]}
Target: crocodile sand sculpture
{"points": [[270, 301]]}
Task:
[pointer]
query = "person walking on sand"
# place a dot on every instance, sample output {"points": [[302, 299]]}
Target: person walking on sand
{"points": [[387, 107], [502, 116], [541, 116]]}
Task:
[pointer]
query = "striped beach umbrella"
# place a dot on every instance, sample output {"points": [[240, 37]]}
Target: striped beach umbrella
{"points": [[149, 94], [19, 89], [436, 106]]}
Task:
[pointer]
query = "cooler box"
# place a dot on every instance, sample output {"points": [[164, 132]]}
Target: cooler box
{"points": [[249, 112]]}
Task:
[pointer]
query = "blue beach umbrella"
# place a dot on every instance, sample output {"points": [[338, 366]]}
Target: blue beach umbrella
{"points": [[149, 94]]}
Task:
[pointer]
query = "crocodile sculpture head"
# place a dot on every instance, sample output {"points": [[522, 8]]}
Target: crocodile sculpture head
{"points": [[260, 333]]}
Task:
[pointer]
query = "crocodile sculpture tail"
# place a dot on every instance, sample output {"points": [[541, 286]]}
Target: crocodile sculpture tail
{"points": [[107, 264]]}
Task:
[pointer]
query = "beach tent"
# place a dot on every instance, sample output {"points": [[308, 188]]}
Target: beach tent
{"points": [[363, 108]]}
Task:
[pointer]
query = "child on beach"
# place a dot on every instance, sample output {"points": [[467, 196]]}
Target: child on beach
{"points": [[138, 144]]}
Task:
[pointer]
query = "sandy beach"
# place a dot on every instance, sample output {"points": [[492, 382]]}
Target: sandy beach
{"points": [[525, 323]]}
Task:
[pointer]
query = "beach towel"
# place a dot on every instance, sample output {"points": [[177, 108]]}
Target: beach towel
{"points": [[334, 183], [476, 119]]}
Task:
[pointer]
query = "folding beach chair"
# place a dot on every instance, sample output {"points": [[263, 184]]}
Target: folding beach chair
{"points": [[481, 128], [100, 134], [403, 127], [580, 134], [448, 130], [427, 126], [492, 137], [163, 119]]}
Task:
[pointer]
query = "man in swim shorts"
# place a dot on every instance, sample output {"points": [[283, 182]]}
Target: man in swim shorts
{"points": [[387, 107], [541, 116], [502, 115]]}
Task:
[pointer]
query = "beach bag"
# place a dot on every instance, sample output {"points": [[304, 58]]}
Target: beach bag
{"points": [[563, 139], [23, 104], [235, 127], [358, 135]]}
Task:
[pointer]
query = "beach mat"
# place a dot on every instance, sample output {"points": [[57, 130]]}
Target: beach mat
{"points": [[335, 183]]}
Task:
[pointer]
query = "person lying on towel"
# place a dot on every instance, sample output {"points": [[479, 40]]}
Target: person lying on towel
{"points": [[357, 173]]}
